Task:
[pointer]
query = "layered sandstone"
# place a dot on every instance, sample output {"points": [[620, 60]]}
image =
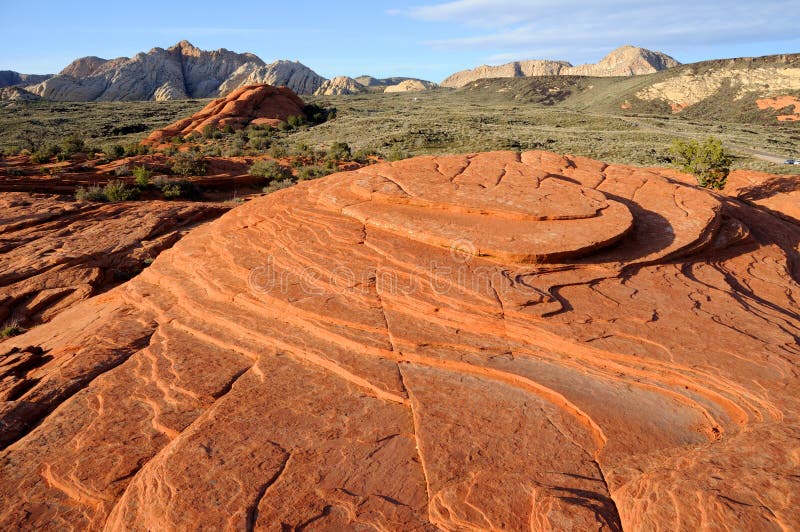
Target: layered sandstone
{"points": [[624, 61], [57, 252], [252, 104], [491, 341]]}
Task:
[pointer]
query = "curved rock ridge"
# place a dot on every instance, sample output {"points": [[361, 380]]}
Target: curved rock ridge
{"points": [[181, 71], [313, 359], [624, 61], [253, 104]]}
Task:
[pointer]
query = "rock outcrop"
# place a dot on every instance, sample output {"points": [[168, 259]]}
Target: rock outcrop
{"points": [[493, 341], [292, 74], [253, 104], [410, 85], [9, 78], [179, 72], [56, 253], [340, 85], [15, 94], [624, 61]]}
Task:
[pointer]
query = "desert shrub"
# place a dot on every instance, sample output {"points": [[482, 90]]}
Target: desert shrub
{"points": [[259, 143], [212, 132], [317, 115], [395, 155], [708, 162], [294, 121], [269, 170], [114, 151], [119, 191], [72, 145], [136, 149], [177, 188], [188, 163], [141, 176], [92, 193], [11, 329], [122, 170], [45, 153], [313, 172], [363, 156], [339, 151], [277, 151], [278, 185]]}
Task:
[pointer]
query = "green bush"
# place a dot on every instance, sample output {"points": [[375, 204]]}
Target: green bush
{"points": [[119, 191], [339, 151], [312, 172], [295, 121], [122, 170], [92, 193], [277, 151], [177, 188], [114, 151], [317, 115], [188, 164], [12, 329], [45, 154], [278, 185], [708, 162], [136, 149], [72, 145], [269, 170], [141, 176]]}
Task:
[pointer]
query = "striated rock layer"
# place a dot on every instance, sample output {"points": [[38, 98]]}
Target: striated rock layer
{"points": [[624, 61], [492, 341], [253, 104]]}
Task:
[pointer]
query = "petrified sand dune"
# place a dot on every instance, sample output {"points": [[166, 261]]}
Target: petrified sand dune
{"points": [[253, 104], [492, 341]]}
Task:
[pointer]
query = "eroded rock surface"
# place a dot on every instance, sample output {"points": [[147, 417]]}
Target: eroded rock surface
{"points": [[493, 341]]}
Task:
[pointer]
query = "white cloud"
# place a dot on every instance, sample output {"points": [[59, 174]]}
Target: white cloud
{"points": [[511, 28]]}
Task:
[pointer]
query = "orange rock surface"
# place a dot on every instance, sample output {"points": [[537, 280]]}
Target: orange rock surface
{"points": [[252, 104], [493, 341], [781, 102]]}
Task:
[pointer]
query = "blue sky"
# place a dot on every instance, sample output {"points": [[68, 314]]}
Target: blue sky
{"points": [[429, 39]]}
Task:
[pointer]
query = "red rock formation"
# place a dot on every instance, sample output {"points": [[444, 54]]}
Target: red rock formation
{"points": [[56, 253], [493, 341], [253, 104]]}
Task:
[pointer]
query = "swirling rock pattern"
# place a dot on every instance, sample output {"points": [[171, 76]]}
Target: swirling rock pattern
{"points": [[492, 341]]}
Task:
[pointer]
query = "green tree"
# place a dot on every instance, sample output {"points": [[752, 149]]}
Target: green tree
{"points": [[708, 162]]}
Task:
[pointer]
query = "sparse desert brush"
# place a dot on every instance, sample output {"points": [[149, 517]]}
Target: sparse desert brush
{"points": [[188, 164], [177, 188], [313, 172], [45, 154], [141, 176], [278, 185], [114, 151], [269, 170], [708, 162], [122, 170], [10, 329], [339, 151], [92, 193], [119, 191]]}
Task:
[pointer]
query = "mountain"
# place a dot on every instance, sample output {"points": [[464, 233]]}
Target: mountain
{"points": [[624, 61], [369, 81], [179, 72], [486, 341], [742, 90], [340, 85], [9, 78]]}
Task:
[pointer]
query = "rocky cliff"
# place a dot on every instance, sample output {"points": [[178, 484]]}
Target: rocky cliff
{"points": [[340, 85], [9, 78], [490, 341], [181, 71], [624, 61]]}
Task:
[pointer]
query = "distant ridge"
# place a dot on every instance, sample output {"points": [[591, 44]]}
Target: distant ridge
{"points": [[624, 61], [178, 72]]}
